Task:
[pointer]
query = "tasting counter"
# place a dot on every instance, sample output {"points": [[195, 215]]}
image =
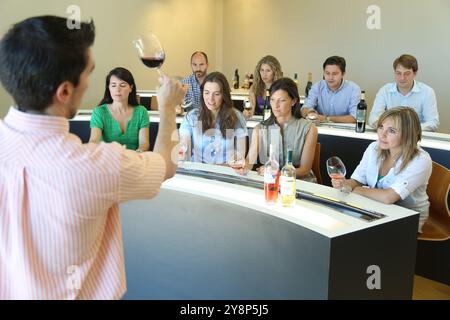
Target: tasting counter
{"points": [[239, 96], [335, 139], [210, 235]]}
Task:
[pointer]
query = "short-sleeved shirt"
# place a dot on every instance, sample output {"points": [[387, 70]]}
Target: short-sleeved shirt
{"points": [[102, 119], [194, 92], [410, 183], [341, 102], [60, 230], [421, 98], [211, 146]]}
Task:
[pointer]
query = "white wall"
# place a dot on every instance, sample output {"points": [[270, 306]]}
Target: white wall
{"points": [[303, 33], [237, 33], [182, 26]]}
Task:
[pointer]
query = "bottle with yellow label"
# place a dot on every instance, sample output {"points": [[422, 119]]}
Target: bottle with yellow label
{"points": [[287, 182]]}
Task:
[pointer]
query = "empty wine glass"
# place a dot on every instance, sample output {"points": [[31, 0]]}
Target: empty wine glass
{"points": [[313, 116], [187, 103], [183, 147], [150, 51], [236, 160], [247, 109], [247, 105], [336, 169]]}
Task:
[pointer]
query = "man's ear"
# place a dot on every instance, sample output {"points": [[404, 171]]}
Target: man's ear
{"points": [[64, 92]]}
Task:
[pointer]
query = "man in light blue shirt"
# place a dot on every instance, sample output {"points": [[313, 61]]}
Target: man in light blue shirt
{"points": [[407, 92], [199, 64], [332, 99]]}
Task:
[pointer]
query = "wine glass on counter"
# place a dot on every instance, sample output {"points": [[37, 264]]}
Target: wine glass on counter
{"points": [[182, 152], [236, 160], [247, 109], [186, 105], [312, 115], [150, 51], [247, 105], [336, 170]]}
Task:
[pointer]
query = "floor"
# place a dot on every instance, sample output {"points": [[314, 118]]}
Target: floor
{"points": [[426, 289]]}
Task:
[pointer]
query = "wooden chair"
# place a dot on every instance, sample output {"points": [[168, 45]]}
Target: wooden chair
{"points": [[437, 226], [316, 164]]}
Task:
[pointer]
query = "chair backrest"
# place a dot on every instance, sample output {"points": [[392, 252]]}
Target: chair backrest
{"points": [[437, 226], [437, 190], [316, 164]]}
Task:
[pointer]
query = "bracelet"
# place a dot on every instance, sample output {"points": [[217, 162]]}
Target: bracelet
{"points": [[139, 151]]}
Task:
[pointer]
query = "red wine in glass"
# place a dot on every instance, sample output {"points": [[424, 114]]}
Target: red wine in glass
{"points": [[150, 50], [153, 62]]}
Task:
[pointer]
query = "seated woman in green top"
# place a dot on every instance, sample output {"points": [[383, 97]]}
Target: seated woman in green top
{"points": [[119, 117]]}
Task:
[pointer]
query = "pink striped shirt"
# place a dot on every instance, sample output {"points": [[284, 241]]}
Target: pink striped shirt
{"points": [[60, 231]]}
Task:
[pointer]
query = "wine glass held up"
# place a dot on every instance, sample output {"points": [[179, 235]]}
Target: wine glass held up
{"points": [[336, 171], [150, 51]]}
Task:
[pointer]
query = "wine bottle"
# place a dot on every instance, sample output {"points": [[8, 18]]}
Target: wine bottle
{"points": [[308, 84], [287, 182], [361, 111], [267, 109], [250, 81], [236, 79], [271, 178]]}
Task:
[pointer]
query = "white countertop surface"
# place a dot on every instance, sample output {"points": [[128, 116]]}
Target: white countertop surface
{"points": [[317, 217]]}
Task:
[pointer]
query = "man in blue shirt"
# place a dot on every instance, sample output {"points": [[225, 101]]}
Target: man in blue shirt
{"points": [[199, 64], [332, 99], [407, 92]]}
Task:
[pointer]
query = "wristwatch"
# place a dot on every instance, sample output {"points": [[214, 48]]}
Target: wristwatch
{"points": [[328, 119]]}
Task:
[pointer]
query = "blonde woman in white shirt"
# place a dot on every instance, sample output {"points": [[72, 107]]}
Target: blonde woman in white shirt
{"points": [[394, 169]]}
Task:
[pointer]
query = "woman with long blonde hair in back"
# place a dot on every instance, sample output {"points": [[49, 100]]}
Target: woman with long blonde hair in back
{"points": [[267, 71]]}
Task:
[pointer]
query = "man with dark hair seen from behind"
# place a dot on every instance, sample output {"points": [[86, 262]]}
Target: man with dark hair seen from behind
{"points": [[59, 213]]}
